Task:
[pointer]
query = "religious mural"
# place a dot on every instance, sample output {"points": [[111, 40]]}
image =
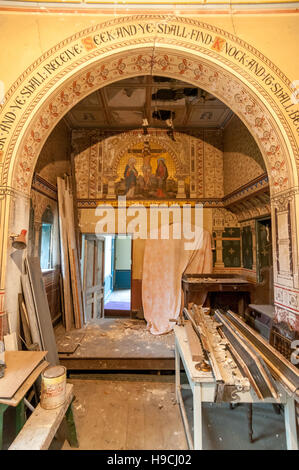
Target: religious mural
{"points": [[146, 172]]}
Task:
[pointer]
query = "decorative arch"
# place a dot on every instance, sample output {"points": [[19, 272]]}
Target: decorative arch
{"points": [[181, 48], [198, 53], [168, 63]]}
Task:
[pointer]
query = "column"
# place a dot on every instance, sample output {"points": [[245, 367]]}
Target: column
{"points": [[181, 189], [19, 209], [219, 255], [285, 227]]}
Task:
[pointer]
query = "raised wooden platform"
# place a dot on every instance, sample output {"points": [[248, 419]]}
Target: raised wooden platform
{"points": [[115, 344]]}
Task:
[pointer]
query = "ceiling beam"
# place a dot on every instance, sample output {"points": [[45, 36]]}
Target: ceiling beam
{"points": [[103, 100], [148, 98], [188, 109]]}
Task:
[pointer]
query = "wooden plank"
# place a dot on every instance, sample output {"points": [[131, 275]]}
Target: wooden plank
{"points": [[258, 369], [33, 320], [276, 362], [194, 343], [62, 298], [40, 429], [65, 269], [76, 292], [21, 392], [42, 309], [24, 320], [73, 257], [10, 342], [19, 365], [205, 339], [84, 278]]}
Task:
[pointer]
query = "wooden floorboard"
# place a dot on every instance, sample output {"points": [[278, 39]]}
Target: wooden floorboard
{"points": [[126, 415], [116, 364], [116, 344]]}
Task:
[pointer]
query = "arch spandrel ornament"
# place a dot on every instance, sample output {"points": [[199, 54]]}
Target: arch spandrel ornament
{"points": [[180, 47], [221, 84], [198, 53]]}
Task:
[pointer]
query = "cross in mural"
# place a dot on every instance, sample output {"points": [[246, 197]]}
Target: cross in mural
{"points": [[146, 182]]}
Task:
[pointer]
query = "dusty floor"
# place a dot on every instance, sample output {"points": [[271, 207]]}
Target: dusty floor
{"points": [[136, 412], [127, 415], [140, 414], [115, 338]]}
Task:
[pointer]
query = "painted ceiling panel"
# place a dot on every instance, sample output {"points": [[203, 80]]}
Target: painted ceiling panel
{"points": [[119, 97], [124, 104]]}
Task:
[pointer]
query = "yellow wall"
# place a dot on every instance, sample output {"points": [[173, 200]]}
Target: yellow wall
{"points": [[275, 35], [88, 220], [242, 159], [54, 159]]}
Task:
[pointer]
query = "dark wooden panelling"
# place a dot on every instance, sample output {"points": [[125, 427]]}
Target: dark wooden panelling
{"points": [[231, 250], [247, 253]]}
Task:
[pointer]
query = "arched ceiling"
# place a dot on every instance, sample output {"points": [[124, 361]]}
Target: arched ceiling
{"points": [[123, 105]]}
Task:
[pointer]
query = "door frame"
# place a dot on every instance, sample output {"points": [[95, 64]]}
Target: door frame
{"points": [[122, 313], [92, 237]]}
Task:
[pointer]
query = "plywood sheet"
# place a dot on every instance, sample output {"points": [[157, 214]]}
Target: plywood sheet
{"points": [[19, 365]]}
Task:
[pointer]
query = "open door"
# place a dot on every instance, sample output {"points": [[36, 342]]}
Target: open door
{"points": [[118, 275], [93, 277]]}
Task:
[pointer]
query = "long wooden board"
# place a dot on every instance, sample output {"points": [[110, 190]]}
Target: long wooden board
{"points": [[33, 320], [254, 362], [24, 320], [42, 309], [19, 365], [40, 429], [73, 257], [194, 343], [65, 267]]}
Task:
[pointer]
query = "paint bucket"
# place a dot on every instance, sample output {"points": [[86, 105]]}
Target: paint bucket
{"points": [[53, 387]]}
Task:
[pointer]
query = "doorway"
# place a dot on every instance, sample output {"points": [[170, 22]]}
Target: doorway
{"points": [[118, 275]]}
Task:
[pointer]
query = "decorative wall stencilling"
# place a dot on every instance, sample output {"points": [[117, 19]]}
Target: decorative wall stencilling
{"points": [[145, 167]]}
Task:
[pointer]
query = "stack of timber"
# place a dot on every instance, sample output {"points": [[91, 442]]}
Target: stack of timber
{"points": [[280, 368], [70, 265], [207, 345], [249, 360], [35, 314]]}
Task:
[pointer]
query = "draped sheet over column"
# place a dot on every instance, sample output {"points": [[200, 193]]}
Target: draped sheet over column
{"points": [[164, 263]]}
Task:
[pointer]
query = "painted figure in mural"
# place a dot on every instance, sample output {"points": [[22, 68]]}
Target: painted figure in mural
{"points": [[147, 169], [162, 175], [130, 175]]}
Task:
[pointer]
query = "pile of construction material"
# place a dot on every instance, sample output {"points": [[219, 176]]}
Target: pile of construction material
{"points": [[72, 301]]}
